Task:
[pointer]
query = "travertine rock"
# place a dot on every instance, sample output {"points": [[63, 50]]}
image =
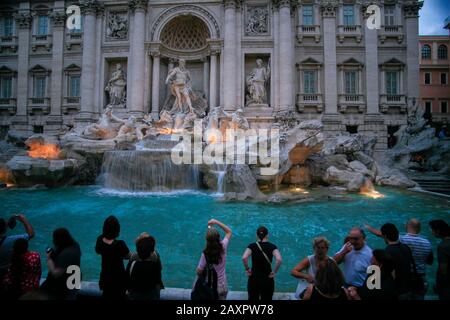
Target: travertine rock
{"points": [[28, 171], [350, 179]]}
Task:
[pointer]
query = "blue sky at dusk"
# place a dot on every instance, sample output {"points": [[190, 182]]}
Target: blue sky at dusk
{"points": [[432, 17]]}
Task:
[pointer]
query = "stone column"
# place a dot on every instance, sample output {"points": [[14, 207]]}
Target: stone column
{"points": [[240, 62], [137, 60], [411, 10], [59, 21], [372, 72], [229, 68], [286, 56], [213, 80], [87, 90], [155, 84], [276, 59], [23, 24], [206, 76], [329, 10]]}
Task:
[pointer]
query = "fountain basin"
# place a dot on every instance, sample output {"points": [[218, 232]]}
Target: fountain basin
{"points": [[178, 221]]}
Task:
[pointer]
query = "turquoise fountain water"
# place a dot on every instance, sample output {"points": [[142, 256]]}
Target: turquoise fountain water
{"points": [[178, 221]]}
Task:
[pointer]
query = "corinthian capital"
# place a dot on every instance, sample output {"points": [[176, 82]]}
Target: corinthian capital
{"points": [[23, 19], [58, 18], [411, 8], [229, 4], [138, 5], [366, 4], [284, 3], [89, 7], [329, 8]]}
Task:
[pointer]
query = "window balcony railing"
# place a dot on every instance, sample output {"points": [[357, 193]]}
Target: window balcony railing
{"points": [[8, 39], [36, 105], [44, 40], [71, 100], [75, 35], [391, 101], [73, 38], [351, 101], [8, 104], [349, 31], [71, 104], [394, 32], [310, 97], [308, 31], [8, 42], [352, 97], [309, 100]]}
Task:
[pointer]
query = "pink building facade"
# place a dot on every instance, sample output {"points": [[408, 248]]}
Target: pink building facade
{"points": [[434, 77]]}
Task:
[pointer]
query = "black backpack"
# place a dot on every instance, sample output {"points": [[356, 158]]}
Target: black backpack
{"points": [[206, 285]]}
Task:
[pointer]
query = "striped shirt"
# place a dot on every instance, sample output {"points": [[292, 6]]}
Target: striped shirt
{"points": [[421, 249]]}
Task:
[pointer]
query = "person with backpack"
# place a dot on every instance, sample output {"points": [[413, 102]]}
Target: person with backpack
{"points": [[261, 283], [144, 274], [212, 264]]}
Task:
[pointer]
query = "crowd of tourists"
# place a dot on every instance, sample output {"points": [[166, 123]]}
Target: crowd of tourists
{"points": [[400, 266]]}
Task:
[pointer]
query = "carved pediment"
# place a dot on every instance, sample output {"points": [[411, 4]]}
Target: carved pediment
{"points": [[39, 69], [72, 68], [310, 61], [393, 62], [351, 62], [6, 71]]}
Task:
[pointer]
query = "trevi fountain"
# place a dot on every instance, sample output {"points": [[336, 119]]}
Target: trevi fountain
{"points": [[170, 172]]}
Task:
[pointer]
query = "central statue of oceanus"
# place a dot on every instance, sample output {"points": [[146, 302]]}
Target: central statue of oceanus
{"points": [[180, 86], [182, 99]]}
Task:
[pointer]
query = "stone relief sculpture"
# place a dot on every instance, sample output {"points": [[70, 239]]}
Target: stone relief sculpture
{"points": [[104, 128], [116, 87], [257, 82], [257, 21], [117, 27]]}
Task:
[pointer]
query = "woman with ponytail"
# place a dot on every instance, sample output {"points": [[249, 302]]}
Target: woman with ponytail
{"points": [[261, 277]]}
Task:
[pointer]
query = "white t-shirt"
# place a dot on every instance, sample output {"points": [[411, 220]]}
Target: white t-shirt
{"points": [[355, 265]]}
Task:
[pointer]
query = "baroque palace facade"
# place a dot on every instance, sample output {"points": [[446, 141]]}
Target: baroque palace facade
{"points": [[319, 60]]}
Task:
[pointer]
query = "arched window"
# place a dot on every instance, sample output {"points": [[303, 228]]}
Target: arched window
{"points": [[426, 52], [442, 52]]}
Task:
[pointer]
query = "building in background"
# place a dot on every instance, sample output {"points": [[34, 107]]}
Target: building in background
{"points": [[324, 62], [434, 76]]}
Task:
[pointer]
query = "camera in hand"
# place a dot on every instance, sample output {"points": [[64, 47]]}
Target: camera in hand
{"points": [[12, 222]]}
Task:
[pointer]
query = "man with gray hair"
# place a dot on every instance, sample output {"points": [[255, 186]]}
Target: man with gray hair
{"points": [[356, 255]]}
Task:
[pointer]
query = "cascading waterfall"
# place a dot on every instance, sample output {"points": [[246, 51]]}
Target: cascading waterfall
{"points": [[220, 170], [147, 170]]}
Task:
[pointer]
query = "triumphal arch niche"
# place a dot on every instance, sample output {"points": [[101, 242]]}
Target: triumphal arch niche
{"points": [[190, 35]]}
